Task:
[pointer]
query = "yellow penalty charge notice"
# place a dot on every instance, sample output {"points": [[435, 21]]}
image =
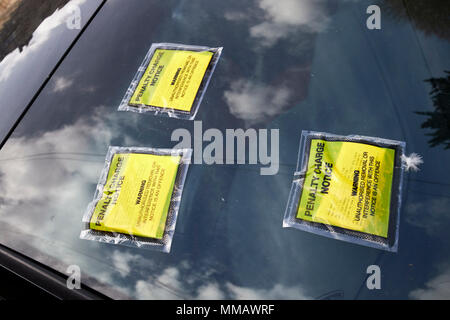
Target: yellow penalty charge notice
{"points": [[172, 79], [348, 185], [137, 195]]}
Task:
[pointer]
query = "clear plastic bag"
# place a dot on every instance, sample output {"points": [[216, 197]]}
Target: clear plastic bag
{"points": [[348, 188], [171, 80], [137, 197]]}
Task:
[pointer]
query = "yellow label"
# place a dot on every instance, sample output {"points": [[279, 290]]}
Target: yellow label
{"points": [[136, 196], [172, 79], [348, 185]]}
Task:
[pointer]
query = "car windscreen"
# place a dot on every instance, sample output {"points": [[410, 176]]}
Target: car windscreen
{"points": [[34, 36], [286, 65]]}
